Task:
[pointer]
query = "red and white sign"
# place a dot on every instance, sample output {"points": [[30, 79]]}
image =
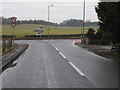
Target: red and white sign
{"points": [[13, 25], [13, 19], [81, 22]]}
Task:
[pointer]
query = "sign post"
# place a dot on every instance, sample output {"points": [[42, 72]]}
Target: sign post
{"points": [[13, 19], [39, 31]]}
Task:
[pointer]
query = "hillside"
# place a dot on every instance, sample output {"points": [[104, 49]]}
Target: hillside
{"points": [[77, 23], [65, 23]]}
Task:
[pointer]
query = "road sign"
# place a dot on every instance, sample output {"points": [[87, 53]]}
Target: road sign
{"points": [[81, 22], [38, 31], [13, 25], [13, 19]]}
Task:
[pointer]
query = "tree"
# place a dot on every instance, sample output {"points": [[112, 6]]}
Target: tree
{"points": [[109, 16], [91, 33], [99, 34]]}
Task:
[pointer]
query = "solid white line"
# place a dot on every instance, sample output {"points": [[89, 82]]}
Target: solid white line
{"points": [[80, 72], [56, 48], [62, 55]]}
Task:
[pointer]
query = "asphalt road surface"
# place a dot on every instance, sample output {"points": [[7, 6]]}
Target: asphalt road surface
{"points": [[59, 64]]}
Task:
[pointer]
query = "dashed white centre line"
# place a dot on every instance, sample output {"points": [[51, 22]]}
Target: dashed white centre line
{"points": [[56, 48], [52, 45], [62, 55], [80, 72]]}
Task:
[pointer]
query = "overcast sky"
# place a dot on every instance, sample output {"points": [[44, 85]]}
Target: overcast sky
{"points": [[36, 9]]}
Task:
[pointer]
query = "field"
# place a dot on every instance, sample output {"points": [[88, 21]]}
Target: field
{"points": [[27, 29]]}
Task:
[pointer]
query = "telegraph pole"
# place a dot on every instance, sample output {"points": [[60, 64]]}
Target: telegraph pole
{"points": [[84, 18], [83, 39], [48, 19]]}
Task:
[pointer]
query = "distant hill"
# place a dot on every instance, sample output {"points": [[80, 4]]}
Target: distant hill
{"points": [[7, 21], [77, 23], [66, 23]]}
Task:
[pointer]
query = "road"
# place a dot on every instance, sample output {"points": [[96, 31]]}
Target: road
{"points": [[59, 64]]}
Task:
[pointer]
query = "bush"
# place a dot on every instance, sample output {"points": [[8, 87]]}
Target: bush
{"points": [[91, 33], [100, 38]]}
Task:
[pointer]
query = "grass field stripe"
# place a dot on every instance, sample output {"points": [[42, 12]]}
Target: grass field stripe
{"points": [[56, 48], [80, 72], [62, 55], [23, 29]]}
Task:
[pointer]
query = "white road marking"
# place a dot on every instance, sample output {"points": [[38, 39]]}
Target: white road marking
{"points": [[52, 45], [59, 52], [80, 72], [62, 55], [73, 42], [56, 48]]}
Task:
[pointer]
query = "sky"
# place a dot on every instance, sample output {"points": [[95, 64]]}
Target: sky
{"points": [[60, 11]]}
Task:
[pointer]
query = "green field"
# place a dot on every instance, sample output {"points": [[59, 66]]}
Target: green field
{"points": [[27, 29]]}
